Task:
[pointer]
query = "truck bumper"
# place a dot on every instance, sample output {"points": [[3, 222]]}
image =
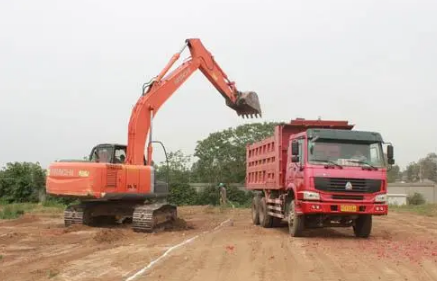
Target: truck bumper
{"points": [[350, 208]]}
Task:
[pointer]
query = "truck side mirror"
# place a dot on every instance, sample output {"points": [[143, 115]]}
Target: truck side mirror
{"points": [[390, 155], [294, 159], [294, 148]]}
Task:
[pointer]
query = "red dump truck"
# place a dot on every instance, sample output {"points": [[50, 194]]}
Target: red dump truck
{"points": [[318, 173]]}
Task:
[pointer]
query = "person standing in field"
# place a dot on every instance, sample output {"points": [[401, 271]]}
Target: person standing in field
{"points": [[223, 199]]}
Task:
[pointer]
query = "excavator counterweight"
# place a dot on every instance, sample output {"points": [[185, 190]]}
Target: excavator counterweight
{"points": [[118, 181]]}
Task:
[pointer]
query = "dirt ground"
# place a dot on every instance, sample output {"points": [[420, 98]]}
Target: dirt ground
{"points": [[39, 247]]}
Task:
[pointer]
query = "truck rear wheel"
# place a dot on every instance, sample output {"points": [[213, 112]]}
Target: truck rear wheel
{"points": [[265, 219], [363, 226], [295, 221], [255, 209]]}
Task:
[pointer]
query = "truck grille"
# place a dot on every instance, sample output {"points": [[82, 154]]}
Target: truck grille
{"points": [[339, 185], [348, 197]]}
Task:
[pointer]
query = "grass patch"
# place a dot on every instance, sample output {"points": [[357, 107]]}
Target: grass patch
{"points": [[429, 210], [53, 204], [16, 210], [238, 205]]}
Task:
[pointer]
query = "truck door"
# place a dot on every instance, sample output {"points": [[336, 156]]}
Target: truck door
{"points": [[297, 168]]}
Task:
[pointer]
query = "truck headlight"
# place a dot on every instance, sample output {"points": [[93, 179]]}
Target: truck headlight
{"points": [[381, 198], [309, 195]]}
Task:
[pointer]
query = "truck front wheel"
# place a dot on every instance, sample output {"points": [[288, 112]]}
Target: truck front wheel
{"points": [[295, 222], [255, 209], [363, 226]]}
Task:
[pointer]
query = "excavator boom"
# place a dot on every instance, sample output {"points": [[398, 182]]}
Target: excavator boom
{"points": [[160, 89]]}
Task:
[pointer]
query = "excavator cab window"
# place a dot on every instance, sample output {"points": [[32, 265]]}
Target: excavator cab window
{"points": [[115, 154], [102, 154], [120, 155], [108, 154]]}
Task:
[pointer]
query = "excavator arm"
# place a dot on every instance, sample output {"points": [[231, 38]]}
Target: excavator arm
{"points": [[161, 88]]}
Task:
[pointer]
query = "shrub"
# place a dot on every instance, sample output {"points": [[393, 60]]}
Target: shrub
{"points": [[53, 201], [182, 194], [416, 199], [208, 196]]}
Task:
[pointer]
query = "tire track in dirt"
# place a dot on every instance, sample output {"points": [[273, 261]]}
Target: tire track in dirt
{"points": [[247, 252], [401, 247], [230, 255], [361, 259], [36, 249]]}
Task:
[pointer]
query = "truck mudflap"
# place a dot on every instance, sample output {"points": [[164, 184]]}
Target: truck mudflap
{"points": [[347, 208]]}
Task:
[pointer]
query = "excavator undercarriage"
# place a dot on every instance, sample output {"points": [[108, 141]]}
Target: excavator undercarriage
{"points": [[145, 217]]}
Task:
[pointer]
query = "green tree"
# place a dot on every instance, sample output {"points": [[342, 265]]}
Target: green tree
{"points": [[424, 168], [22, 182], [393, 174], [222, 155], [178, 173], [428, 167], [412, 172], [178, 169]]}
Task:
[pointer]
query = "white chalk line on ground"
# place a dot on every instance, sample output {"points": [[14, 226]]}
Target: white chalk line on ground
{"points": [[144, 269]]}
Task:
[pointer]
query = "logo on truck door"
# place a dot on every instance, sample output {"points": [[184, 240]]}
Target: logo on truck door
{"points": [[348, 186]]}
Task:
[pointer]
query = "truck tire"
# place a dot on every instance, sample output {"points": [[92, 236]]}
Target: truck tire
{"points": [[296, 223], [363, 226], [265, 219], [255, 209]]}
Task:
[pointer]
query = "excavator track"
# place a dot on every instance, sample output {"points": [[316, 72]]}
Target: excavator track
{"points": [[77, 214], [148, 217]]}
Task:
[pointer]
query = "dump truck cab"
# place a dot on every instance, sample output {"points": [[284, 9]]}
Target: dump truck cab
{"points": [[330, 166]]}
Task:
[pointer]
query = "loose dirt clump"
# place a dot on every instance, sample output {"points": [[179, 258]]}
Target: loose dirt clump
{"points": [[179, 224], [74, 228], [108, 235], [10, 237]]}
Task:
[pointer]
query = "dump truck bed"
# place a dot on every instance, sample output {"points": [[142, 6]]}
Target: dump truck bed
{"points": [[266, 160]]}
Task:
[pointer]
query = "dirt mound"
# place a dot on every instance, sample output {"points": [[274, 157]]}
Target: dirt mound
{"points": [[74, 228], [108, 235], [179, 224]]}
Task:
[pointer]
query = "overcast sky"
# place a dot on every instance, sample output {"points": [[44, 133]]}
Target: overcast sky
{"points": [[71, 71]]}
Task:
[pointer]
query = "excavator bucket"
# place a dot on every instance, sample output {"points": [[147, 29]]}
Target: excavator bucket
{"points": [[247, 104]]}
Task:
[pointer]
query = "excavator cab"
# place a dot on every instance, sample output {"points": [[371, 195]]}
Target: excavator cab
{"points": [[109, 153]]}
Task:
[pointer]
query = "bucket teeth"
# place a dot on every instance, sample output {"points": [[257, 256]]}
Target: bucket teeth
{"points": [[247, 104]]}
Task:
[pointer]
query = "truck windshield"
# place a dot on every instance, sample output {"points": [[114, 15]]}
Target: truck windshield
{"points": [[345, 153]]}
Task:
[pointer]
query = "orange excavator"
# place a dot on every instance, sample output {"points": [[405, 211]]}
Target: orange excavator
{"points": [[118, 180]]}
